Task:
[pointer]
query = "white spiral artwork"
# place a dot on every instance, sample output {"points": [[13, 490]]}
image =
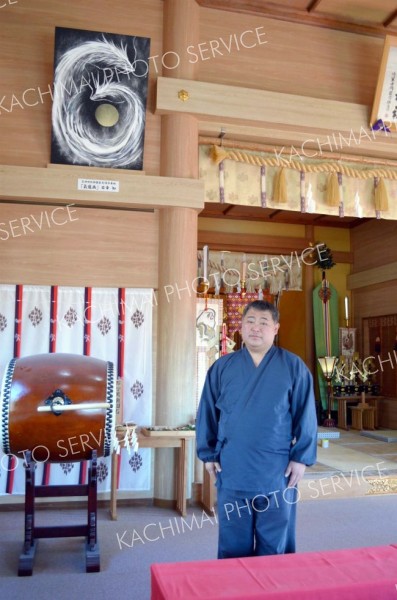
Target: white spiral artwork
{"points": [[100, 89]]}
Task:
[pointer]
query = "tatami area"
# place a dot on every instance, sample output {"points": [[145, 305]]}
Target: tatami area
{"points": [[353, 464]]}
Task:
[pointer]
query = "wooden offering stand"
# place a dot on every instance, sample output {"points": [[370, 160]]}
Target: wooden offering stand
{"points": [[363, 415], [33, 533]]}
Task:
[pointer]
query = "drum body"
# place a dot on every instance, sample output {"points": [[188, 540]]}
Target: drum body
{"points": [[47, 380]]}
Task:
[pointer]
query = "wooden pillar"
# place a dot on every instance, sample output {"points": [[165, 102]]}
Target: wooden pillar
{"points": [[176, 371], [308, 287]]}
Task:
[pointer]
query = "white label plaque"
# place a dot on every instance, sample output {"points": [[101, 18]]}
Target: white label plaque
{"points": [[98, 185]]}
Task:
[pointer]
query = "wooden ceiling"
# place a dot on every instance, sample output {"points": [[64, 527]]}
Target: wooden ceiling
{"points": [[273, 215], [368, 17]]}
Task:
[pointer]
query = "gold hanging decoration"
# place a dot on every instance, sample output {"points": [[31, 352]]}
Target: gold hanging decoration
{"points": [[381, 196], [280, 187], [333, 194]]}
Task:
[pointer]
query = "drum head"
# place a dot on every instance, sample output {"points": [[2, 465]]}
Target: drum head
{"points": [[58, 406]]}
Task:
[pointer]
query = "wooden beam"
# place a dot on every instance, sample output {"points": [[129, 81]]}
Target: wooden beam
{"points": [[212, 100], [304, 126], [46, 186], [262, 244], [375, 276], [319, 143], [313, 5], [272, 10], [243, 212], [251, 243], [390, 18]]}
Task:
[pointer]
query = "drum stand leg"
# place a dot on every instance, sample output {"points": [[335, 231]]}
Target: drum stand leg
{"points": [[32, 533], [26, 558], [92, 548]]}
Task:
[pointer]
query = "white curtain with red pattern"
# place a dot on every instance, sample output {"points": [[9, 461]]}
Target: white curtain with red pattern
{"points": [[112, 324]]}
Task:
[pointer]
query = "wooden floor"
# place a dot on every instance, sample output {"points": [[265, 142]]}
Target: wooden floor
{"points": [[352, 465], [351, 442]]}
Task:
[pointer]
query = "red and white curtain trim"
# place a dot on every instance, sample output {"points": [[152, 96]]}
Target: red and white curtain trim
{"points": [[112, 324]]}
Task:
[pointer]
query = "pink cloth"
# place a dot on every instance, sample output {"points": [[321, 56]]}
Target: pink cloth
{"points": [[364, 573]]}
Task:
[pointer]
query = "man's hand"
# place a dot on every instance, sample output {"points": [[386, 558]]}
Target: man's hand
{"points": [[213, 468], [295, 472]]}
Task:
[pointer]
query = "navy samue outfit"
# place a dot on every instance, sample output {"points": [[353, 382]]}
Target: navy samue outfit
{"points": [[253, 421]]}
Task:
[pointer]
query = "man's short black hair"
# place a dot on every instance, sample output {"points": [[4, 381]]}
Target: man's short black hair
{"points": [[263, 305]]}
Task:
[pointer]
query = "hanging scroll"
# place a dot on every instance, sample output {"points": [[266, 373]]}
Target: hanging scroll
{"points": [[209, 317], [384, 111]]}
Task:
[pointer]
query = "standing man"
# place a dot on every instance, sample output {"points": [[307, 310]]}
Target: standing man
{"points": [[256, 432]]}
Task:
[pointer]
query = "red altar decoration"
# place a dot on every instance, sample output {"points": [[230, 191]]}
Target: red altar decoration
{"points": [[235, 304]]}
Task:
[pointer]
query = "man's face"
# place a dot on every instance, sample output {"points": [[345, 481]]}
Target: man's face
{"points": [[258, 330]]}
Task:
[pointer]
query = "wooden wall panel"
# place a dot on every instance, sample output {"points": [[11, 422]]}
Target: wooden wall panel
{"points": [[373, 301], [387, 413], [374, 247], [293, 322], [92, 247], [376, 300], [26, 62], [374, 244], [298, 59]]}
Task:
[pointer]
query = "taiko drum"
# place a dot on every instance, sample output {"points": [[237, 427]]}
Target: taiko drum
{"points": [[60, 407]]}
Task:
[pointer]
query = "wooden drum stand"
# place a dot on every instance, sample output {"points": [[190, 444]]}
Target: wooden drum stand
{"points": [[32, 533]]}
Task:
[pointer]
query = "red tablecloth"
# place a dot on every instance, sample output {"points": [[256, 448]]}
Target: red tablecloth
{"points": [[357, 574]]}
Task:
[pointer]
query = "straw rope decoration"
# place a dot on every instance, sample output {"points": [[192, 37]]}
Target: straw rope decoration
{"points": [[219, 154]]}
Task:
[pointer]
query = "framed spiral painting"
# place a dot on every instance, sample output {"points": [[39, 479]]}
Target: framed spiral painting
{"points": [[99, 103]]}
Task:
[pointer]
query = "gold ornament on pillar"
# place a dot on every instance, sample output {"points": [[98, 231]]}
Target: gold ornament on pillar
{"points": [[183, 95]]}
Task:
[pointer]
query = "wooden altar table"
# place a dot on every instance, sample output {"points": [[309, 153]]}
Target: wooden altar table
{"points": [[209, 495], [176, 439], [364, 573], [344, 400]]}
